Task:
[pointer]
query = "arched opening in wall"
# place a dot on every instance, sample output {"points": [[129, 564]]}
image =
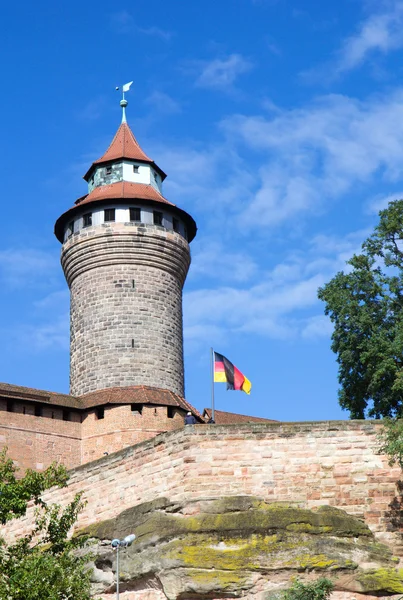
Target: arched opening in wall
{"points": [[137, 408]]}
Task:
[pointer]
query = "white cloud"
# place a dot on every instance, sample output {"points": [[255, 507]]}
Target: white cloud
{"points": [[211, 259], [42, 336], [381, 32], [310, 157], [27, 267], [123, 22], [380, 202], [163, 103], [281, 304], [222, 73]]}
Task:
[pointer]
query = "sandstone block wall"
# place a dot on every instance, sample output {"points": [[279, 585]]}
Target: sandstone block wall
{"points": [[35, 442], [308, 464], [122, 427], [126, 307]]}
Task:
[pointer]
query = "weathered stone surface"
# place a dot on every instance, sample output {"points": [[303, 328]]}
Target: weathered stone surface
{"points": [[241, 547]]}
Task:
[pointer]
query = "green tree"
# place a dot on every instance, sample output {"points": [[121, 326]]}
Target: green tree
{"points": [[365, 304], [317, 590], [44, 564]]}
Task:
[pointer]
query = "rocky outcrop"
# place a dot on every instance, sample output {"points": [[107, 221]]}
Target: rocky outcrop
{"points": [[239, 547]]}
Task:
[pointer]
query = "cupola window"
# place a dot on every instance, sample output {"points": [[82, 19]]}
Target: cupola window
{"points": [[108, 170], [87, 219], [109, 215], [157, 217], [135, 169], [175, 225], [70, 228], [135, 214]]}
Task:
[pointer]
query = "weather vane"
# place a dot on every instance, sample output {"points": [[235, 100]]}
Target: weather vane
{"points": [[123, 102]]}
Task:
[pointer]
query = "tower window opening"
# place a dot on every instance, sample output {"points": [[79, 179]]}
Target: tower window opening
{"points": [[170, 412], [108, 170], [109, 215], [87, 219], [66, 415], [38, 410], [135, 214], [10, 406], [137, 408], [132, 343], [157, 217], [133, 284], [186, 234], [100, 413], [135, 169], [175, 225], [70, 228]]}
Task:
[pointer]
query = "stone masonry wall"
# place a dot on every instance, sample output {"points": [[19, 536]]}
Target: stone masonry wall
{"points": [[35, 442], [122, 427], [126, 307], [308, 464]]}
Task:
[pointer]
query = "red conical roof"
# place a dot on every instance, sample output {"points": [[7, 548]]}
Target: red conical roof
{"points": [[124, 145]]}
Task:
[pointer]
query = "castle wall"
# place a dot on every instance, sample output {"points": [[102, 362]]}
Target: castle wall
{"points": [[121, 427], [309, 464], [126, 307], [35, 442]]}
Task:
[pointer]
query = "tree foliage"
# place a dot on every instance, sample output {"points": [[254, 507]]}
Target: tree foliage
{"points": [[44, 564], [317, 590], [391, 441], [365, 304]]}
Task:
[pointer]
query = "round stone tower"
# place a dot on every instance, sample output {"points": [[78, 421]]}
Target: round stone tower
{"points": [[125, 256]]}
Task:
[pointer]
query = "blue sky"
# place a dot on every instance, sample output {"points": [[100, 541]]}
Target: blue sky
{"points": [[280, 125]]}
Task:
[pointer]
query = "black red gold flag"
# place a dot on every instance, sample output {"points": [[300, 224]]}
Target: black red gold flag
{"points": [[226, 372]]}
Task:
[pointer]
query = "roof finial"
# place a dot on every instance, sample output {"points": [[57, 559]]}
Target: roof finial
{"points": [[123, 102]]}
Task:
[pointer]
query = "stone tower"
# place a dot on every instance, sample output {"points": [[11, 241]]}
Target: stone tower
{"points": [[125, 256]]}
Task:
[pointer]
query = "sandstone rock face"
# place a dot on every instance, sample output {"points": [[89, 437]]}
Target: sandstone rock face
{"points": [[239, 546]]}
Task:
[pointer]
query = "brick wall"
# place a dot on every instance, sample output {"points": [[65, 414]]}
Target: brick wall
{"points": [[121, 427], [310, 464], [35, 442], [126, 307]]}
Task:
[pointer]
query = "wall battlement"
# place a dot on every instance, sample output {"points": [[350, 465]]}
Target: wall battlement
{"points": [[306, 464]]}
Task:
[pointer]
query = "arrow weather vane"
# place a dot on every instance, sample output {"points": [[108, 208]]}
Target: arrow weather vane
{"points": [[123, 102]]}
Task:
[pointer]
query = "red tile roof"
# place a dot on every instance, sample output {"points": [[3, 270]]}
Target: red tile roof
{"points": [[18, 392], [128, 395], [226, 418], [123, 189], [124, 145], [139, 394]]}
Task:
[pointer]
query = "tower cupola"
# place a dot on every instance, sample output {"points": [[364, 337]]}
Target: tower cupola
{"points": [[125, 255]]}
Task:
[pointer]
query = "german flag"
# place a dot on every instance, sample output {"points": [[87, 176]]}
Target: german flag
{"points": [[226, 372]]}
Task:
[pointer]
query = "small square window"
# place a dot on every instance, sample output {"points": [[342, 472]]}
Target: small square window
{"points": [[10, 406], [38, 410], [175, 225], [100, 413], [135, 214], [157, 217], [87, 220], [170, 412], [66, 415], [109, 215], [137, 408], [108, 171], [135, 169]]}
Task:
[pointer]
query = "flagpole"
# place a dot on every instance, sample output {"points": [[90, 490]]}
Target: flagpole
{"points": [[212, 384]]}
